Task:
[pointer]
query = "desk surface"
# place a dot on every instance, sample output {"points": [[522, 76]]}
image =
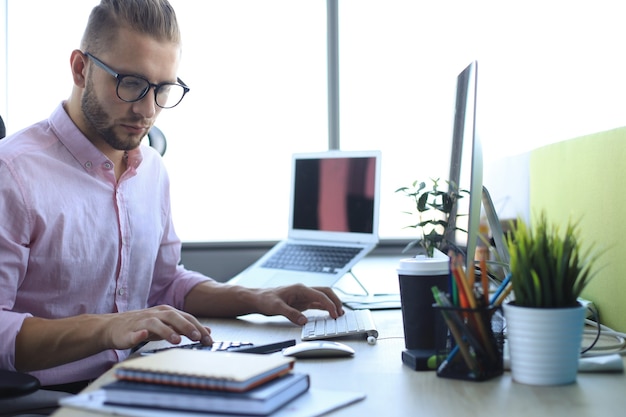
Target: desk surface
{"points": [[393, 389]]}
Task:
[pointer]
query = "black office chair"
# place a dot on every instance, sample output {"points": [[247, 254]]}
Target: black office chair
{"points": [[15, 384], [157, 140]]}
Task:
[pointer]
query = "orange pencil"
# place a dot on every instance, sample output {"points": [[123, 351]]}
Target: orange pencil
{"points": [[465, 284]]}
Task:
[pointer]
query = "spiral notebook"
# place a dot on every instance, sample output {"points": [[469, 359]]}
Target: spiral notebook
{"points": [[227, 371]]}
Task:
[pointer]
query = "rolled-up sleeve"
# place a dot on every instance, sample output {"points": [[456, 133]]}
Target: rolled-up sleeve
{"points": [[13, 261]]}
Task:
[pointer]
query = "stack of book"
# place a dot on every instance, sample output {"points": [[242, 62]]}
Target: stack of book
{"points": [[210, 382]]}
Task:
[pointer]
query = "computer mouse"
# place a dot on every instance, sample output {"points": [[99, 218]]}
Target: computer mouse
{"points": [[319, 349]]}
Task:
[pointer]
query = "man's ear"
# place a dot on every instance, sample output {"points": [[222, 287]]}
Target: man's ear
{"points": [[78, 63]]}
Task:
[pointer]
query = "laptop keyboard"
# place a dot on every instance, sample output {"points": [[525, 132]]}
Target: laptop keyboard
{"points": [[353, 322], [312, 258]]}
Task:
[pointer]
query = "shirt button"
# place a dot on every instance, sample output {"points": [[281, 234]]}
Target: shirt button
{"points": [[108, 165], [88, 164], [121, 291]]}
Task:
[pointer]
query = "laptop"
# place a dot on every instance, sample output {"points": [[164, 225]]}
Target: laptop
{"points": [[333, 217]]}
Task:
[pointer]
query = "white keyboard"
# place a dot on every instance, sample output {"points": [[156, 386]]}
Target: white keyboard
{"points": [[353, 322]]}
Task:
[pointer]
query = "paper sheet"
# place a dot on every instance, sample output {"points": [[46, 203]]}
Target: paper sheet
{"points": [[315, 402]]}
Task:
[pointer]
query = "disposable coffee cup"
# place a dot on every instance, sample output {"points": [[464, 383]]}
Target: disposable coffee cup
{"points": [[417, 277]]}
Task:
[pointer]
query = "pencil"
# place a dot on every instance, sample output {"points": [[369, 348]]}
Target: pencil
{"points": [[478, 324], [484, 278], [461, 291], [503, 295], [469, 294]]}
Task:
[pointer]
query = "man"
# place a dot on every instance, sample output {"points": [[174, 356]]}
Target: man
{"points": [[88, 254]]}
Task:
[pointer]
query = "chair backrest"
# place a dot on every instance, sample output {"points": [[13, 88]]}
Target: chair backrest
{"points": [[157, 140], [3, 130], [15, 384]]}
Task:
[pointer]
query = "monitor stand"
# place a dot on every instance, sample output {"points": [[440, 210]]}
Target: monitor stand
{"points": [[496, 231]]}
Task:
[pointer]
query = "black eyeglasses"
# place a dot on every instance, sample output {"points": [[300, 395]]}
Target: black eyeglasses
{"points": [[131, 88]]}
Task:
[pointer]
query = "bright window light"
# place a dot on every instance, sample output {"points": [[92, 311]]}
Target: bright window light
{"points": [[548, 71]]}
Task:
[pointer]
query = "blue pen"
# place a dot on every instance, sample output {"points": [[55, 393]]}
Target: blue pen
{"points": [[500, 289], [451, 355]]}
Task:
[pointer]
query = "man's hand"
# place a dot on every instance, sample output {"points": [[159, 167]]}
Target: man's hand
{"points": [[291, 300], [73, 338], [126, 330], [214, 299]]}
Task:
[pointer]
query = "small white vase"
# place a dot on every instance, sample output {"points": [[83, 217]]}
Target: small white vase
{"points": [[544, 343]]}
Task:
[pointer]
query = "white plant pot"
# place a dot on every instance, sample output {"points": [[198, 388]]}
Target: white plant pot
{"points": [[544, 343]]}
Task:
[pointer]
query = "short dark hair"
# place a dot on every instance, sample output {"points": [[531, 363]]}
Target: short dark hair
{"points": [[155, 18]]}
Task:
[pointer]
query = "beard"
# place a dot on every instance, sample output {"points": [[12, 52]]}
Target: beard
{"points": [[99, 120]]}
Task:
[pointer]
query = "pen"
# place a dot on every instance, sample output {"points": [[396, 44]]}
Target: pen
{"points": [[500, 289]]}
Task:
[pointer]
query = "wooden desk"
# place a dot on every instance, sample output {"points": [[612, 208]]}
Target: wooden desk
{"points": [[395, 390]]}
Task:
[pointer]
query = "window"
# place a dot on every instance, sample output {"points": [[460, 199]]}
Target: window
{"points": [[257, 70], [257, 73], [548, 71]]}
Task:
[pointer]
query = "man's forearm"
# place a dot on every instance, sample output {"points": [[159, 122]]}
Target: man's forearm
{"points": [[214, 299], [64, 340]]}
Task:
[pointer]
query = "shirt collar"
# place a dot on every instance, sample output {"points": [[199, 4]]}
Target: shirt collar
{"points": [[81, 147]]}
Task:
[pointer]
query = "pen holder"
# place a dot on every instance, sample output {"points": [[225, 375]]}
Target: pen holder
{"points": [[472, 348]]}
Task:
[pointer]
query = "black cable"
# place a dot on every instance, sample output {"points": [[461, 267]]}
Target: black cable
{"points": [[596, 318]]}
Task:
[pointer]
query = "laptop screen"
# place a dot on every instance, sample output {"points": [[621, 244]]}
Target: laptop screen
{"points": [[336, 192]]}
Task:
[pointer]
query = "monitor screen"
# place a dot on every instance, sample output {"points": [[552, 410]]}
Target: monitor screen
{"points": [[466, 163]]}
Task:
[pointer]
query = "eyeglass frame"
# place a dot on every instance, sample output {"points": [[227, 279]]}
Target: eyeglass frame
{"points": [[119, 77]]}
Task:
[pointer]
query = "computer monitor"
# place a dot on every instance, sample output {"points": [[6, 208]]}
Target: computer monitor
{"points": [[466, 164], [466, 173]]}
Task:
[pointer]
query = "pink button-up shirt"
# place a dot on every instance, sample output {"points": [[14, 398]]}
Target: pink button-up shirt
{"points": [[73, 240]]}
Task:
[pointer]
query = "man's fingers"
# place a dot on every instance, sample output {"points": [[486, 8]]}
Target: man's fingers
{"points": [[138, 337], [183, 324], [331, 302], [157, 323]]}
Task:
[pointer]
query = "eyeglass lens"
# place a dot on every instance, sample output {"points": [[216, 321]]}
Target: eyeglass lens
{"points": [[131, 88]]}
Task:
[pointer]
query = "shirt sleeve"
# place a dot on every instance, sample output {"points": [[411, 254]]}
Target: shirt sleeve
{"points": [[14, 254]]}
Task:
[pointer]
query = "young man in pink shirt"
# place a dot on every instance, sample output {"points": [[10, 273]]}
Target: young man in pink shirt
{"points": [[89, 260]]}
